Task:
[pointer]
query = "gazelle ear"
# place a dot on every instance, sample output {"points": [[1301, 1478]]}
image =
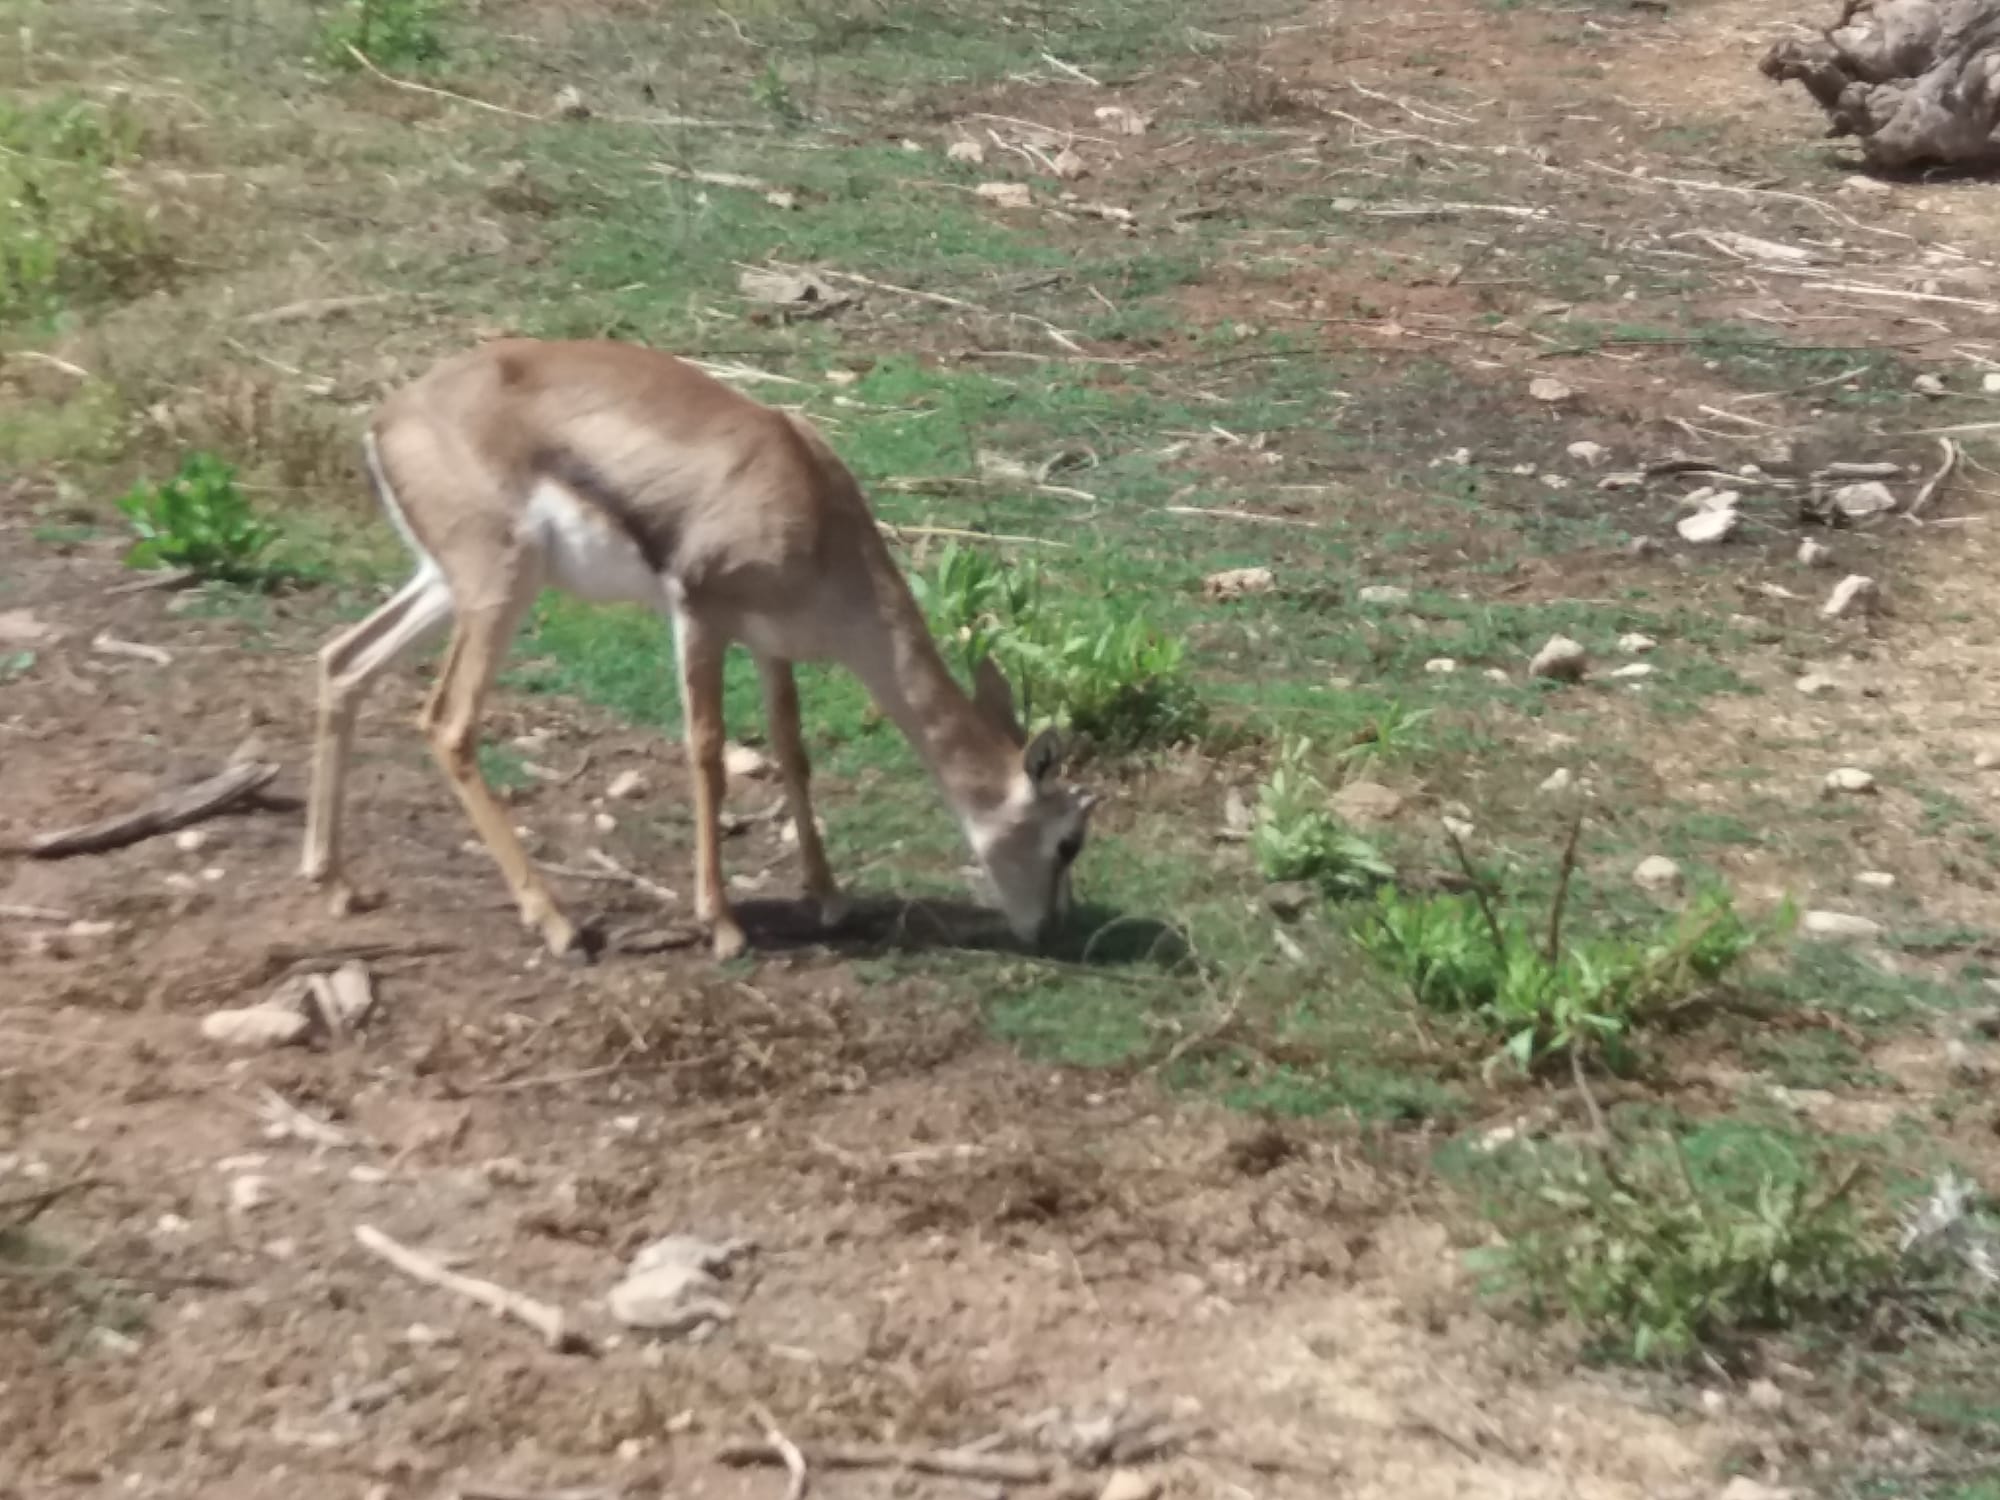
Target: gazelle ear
{"points": [[1043, 757], [994, 698]]}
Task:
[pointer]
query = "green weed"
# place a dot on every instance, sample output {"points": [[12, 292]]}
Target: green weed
{"points": [[67, 231], [1295, 837], [198, 520], [389, 33]]}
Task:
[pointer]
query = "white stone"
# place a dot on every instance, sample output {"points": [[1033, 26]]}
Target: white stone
{"points": [[1558, 781], [1561, 659], [1657, 873], [1632, 671], [1854, 591], [624, 785], [1585, 452], [1990, 382], [190, 839], [1384, 593], [1130, 1484], [1849, 779], [1859, 502], [1006, 194], [1635, 644], [1875, 880], [744, 761], [248, 1193], [1707, 527], [966, 151], [1814, 554], [1440, 665], [255, 1027], [1838, 926], [1543, 388], [1928, 384], [1817, 685]]}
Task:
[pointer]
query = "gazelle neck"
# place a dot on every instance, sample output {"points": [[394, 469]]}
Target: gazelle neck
{"points": [[971, 758]]}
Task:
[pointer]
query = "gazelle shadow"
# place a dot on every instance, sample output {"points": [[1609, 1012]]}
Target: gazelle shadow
{"points": [[1094, 934]]}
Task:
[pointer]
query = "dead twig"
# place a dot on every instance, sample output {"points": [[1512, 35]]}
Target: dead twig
{"points": [[10, 912], [109, 645], [313, 308], [19, 1212], [786, 1450], [167, 812], [1563, 875], [1240, 515], [632, 878], [546, 1320], [170, 578], [1946, 468], [423, 88], [1478, 885], [997, 1468]]}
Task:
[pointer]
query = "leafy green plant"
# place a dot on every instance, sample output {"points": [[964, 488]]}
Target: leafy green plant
{"points": [[67, 230], [775, 97], [1658, 1265], [1118, 684], [1295, 837], [1545, 995], [198, 520], [390, 33]]}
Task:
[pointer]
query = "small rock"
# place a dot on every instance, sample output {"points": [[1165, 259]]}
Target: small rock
{"points": [[1860, 187], [248, 1193], [1496, 674], [1633, 671], [626, 784], [569, 104], [1006, 194], [1657, 873], [1641, 546], [1875, 880], [1928, 384], [1838, 926], [1817, 685], [1130, 1484], [1986, 760], [1706, 527], [1713, 1402], [1990, 382], [1384, 593], [1634, 644], [1624, 479], [1850, 779], [1764, 1395], [1121, 120], [1543, 388], [1561, 660], [1458, 828], [21, 627], [188, 840], [741, 762], [1558, 781], [256, 1027], [1069, 166], [1291, 899], [1860, 502], [1855, 591], [1589, 453], [603, 822], [1440, 665], [970, 152], [1363, 802], [1743, 1487], [1814, 554], [1235, 583], [1965, 1063]]}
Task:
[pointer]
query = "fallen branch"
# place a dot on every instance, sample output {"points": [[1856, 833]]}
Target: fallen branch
{"points": [[167, 812], [500, 1301], [109, 645], [423, 88], [1952, 454], [18, 1213], [10, 912], [997, 1468], [632, 878], [786, 1450], [900, 533], [1240, 515]]}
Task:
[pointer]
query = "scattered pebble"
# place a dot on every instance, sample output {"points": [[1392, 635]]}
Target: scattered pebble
{"points": [[970, 152], [744, 762], [1384, 593], [1854, 591], [1707, 527], [1558, 781], [1713, 1402], [1641, 546], [248, 1193], [1817, 685], [624, 785], [1814, 554], [255, 1027], [1543, 388], [1985, 760], [1965, 1063], [1928, 384], [1657, 873], [190, 839], [1838, 926], [569, 104], [1006, 194], [1496, 674], [1635, 644], [1130, 1484], [1632, 671], [1589, 453], [603, 822], [1235, 583], [1875, 880], [1364, 802], [1561, 660], [1850, 779], [1440, 665], [671, 1285], [1764, 1395], [1860, 502], [1990, 382]]}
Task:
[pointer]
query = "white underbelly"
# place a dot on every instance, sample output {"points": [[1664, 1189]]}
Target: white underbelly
{"points": [[587, 554]]}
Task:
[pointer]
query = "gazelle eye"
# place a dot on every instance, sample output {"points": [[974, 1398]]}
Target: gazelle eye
{"points": [[1069, 848]]}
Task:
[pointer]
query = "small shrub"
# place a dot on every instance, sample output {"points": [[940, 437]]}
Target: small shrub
{"points": [[1657, 1266], [1119, 685], [1295, 837], [1549, 997], [200, 521], [389, 33], [66, 229]]}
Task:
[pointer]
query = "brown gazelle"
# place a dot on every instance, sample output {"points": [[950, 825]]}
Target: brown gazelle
{"points": [[616, 473]]}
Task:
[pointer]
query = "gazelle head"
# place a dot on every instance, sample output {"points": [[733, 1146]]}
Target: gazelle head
{"points": [[1030, 838]]}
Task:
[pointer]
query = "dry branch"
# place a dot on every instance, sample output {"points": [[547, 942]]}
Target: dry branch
{"points": [[167, 812], [998, 1468], [787, 1451], [500, 1301], [1917, 81], [1947, 466]]}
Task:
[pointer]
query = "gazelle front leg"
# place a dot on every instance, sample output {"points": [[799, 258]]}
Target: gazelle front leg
{"points": [[781, 716], [701, 651]]}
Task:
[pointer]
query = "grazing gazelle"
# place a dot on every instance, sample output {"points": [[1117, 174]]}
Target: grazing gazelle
{"points": [[616, 473]]}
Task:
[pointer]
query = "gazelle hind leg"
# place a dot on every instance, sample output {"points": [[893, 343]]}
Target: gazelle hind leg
{"points": [[700, 652], [348, 666], [781, 716], [479, 640]]}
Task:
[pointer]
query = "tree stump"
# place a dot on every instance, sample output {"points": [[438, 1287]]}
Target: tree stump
{"points": [[1918, 81]]}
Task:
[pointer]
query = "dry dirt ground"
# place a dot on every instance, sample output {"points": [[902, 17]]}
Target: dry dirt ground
{"points": [[948, 1240]]}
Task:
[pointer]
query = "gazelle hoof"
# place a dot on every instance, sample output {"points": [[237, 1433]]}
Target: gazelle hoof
{"points": [[728, 942]]}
